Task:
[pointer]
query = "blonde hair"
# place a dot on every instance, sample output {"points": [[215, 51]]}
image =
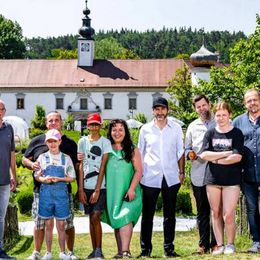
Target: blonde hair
{"points": [[222, 106]]}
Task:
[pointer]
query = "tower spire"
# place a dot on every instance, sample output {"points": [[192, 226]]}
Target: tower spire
{"points": [[86, 40]]}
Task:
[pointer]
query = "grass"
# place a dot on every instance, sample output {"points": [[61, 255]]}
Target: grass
{"points": [[185, 244]]}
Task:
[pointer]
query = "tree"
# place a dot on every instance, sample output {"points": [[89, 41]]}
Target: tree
{"points": [[11, 39], [229, 83], [60, 54], [181, 92], [39, 118], [109, 48]]}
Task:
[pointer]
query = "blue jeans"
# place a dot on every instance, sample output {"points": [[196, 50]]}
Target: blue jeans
{"points": [[251, 193], [4, 199]]}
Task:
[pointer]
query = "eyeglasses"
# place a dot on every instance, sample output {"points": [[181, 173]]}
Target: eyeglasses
{"points": [[2, 109]]}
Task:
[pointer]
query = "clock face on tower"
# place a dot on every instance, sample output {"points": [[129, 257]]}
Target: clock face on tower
{"points": [[84, 47]]}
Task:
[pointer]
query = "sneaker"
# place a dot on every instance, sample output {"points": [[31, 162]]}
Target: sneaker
{"points": [[4, 255], [34, 256], [145, 253], [118, 256], [72, 255], [64, 256], [170, 254], [255, 248], [229, 249], [47, 256], [91, 255], [98, 253], [218, 250], [126, 254]]}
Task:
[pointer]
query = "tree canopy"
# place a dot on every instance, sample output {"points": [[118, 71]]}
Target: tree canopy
{"points": [[227, 83], [12, 45]]}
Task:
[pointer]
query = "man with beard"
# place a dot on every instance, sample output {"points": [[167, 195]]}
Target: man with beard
{"points": [[193, 145], [249, 124], [161, 147]]}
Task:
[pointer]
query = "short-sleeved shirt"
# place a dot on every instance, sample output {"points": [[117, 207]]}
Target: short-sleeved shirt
{"points": [[55, 159], [7, 146], [93, 152], [37, 146], [219, 174], [161, 150]]}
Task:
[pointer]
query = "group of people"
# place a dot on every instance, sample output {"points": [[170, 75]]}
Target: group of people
{"points": [[118, 181]]}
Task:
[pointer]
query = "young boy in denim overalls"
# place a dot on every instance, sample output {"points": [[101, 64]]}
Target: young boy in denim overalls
{"points": [[56, 170]]}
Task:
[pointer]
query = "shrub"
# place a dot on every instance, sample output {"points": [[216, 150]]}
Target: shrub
{"points": [[183, 203], [19, 158], [35, 131], [24, 200]]}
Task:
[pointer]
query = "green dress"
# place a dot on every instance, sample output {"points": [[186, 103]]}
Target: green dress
{"points": [[119, 174]]}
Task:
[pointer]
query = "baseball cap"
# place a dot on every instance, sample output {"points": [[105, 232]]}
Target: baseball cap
{"points": [[160, 101], [94, 118], [53, 134]]}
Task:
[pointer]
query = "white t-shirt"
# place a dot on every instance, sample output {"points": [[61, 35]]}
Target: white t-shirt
{"points": [[93, 151], [55, 159]]}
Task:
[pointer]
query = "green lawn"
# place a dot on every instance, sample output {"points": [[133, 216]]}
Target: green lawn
{"points": [[185, 244]]}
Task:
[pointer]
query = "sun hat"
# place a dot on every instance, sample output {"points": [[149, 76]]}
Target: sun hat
{"points": [[53, 134]]}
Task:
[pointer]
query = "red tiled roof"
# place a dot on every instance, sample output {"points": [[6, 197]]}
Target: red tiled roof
{"points": [[104, 73]]}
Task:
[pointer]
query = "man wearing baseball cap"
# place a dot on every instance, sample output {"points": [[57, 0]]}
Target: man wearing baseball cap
{"points": [[36, 147], [161, 147]]}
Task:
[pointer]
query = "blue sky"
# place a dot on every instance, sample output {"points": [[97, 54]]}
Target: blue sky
{"points": [[60, 17]]}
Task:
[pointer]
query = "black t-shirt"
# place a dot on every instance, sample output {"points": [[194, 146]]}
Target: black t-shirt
{"points": [[219, 174], [37, 146]]}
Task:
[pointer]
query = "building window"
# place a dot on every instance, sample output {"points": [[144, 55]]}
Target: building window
{"points": [[132, 103], [108, 103], [84, 103], [20, 103], [59, 103]]}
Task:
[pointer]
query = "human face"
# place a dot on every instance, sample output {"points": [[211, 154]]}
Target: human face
{"points": [[94, 128], [118, 133], [53, 146], [160, 113], [202, 107], [252, 102], [2, 111], [222, 118], [53, 121]]}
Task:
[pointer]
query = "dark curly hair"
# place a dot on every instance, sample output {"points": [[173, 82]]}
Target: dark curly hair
{"points": [[127, 143]]}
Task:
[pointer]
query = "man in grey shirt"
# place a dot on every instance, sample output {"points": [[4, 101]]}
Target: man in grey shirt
{"points": [[7, 172], [193, 145]]}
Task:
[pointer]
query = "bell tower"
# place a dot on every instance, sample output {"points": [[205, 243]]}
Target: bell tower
{"points": [[86, 41]]}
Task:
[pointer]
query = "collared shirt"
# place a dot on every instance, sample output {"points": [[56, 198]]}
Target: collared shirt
{"points": [[251, 157], [7, 147], [193, 141], [161, 150]]}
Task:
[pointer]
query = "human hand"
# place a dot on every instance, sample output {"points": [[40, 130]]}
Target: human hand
{"points": [[82, 196], [35, 166], [47, 179], [130, 195], [81, 156], [94, 197], [192, 155], [12, 185], [181, 178]]}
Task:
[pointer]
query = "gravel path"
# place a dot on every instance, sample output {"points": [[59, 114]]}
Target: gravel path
{"points": [[82, 225]]}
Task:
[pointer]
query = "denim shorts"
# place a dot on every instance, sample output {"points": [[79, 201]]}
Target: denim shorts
{"points": [[40, 223], [99, 205]]}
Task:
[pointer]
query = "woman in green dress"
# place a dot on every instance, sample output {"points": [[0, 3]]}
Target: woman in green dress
{"points": [[123, 174]]}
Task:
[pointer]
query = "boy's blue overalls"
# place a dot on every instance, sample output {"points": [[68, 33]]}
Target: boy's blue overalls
{"points": [[54, 198]]}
